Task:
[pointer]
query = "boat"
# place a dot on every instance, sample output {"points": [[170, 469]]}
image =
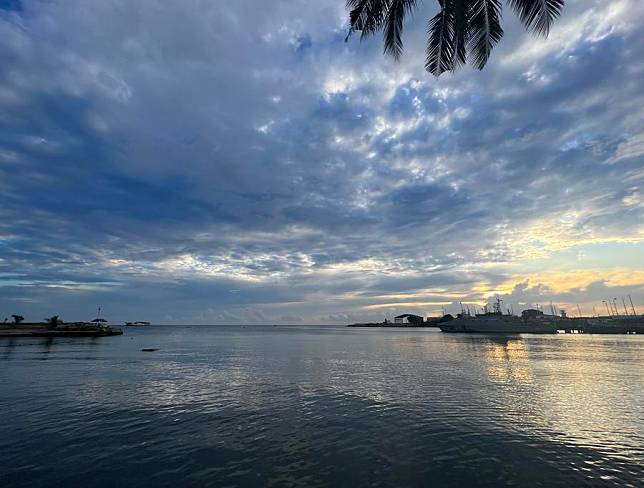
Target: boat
{"points": [[614, 324], [138, 323], [630, 322], [496, 322]]}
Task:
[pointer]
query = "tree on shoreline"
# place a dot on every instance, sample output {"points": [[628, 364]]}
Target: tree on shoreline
{"points": [[53, 322], [462, 30], [17, 319]]}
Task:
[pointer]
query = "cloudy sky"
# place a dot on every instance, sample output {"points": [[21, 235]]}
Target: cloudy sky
{"points": [[201, 161]]}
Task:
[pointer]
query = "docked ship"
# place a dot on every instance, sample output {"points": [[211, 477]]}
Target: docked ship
{"points": [[496, 322], [614, 324]]}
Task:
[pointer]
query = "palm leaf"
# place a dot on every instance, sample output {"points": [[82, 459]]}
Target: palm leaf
{"points": [[537, 15], [394, 26], [461, 9], [440, 44], [357, 10], [485, 30], [461, 29], [367, 16]]}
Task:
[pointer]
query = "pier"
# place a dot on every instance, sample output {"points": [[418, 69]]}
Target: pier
{"points": [[40, 330]]}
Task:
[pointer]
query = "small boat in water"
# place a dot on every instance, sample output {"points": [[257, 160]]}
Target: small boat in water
{"points": [[138, 323]]}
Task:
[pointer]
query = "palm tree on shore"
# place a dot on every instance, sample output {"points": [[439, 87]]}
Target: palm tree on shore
{"points": [[462, 30], [53, 322]]}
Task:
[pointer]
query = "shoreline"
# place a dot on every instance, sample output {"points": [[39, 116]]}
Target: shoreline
{"points": [[395, 326], [43, 331]]}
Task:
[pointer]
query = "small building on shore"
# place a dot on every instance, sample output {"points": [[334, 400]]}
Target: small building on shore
{"points": [[408, 318]]}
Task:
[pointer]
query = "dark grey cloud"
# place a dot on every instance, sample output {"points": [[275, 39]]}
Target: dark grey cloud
{"points": [[198, 163]]}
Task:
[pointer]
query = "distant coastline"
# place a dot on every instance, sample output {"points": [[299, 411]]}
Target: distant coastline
{"points": [[44, 329], [382, 325]]}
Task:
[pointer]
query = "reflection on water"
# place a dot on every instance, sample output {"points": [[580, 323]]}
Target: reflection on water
{"points": [[508, 361], [282, 406]]}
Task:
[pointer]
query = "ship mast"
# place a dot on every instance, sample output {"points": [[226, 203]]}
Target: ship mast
{"points": [[610, 314], [497, 306]]}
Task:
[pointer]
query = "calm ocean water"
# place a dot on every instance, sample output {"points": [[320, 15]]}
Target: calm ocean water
{"points": [[321, 406]]}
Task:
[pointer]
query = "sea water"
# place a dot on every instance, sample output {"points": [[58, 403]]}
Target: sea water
{"points": [[321, 406]]}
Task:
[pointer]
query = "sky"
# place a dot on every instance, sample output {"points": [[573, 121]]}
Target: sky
{"points": [[211, 162]]}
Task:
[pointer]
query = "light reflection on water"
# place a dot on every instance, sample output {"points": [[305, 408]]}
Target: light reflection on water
{"points": [[310, 406]]}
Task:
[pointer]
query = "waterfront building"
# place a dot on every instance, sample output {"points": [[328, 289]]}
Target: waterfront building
{"points": [[408, 318]]}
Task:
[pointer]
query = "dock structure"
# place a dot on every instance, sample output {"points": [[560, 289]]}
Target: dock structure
{"points": [[605, 325], [71, 330]]}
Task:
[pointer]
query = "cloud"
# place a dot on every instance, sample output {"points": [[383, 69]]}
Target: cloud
{"points": [[200, 163], [631, 148], [9, 5]]}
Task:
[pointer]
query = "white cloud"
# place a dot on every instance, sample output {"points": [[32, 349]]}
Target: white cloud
{"points": [[179, 152]]}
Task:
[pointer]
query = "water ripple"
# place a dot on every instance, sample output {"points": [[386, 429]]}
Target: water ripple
{"points": [[322, 407]]}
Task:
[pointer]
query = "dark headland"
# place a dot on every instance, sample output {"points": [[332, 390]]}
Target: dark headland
{"points": [[54, 327]]}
